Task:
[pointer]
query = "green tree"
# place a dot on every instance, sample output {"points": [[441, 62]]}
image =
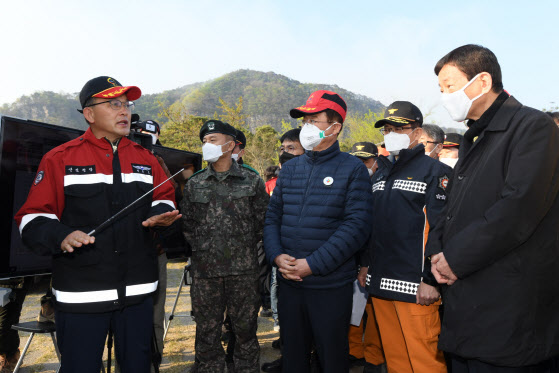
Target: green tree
{"points": [[181, 130], [261, 151], [233, 114], [360, 127], [286, 126]]}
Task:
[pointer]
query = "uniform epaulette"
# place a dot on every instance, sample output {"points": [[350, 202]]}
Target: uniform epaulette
{"points": [[249, 168], [197, 172]]}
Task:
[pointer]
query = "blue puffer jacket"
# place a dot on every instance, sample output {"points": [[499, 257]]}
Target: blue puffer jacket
{"points": [[321, 211]]}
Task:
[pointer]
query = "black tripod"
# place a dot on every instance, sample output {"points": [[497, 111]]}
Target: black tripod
{"points": [[186, 279]]}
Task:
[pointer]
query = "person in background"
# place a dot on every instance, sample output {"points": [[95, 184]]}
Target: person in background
{"points": [[239, 150], [432, 139], [366, 349], [555, 116], [9, 315], [290, 148], [152, 128], [367, 152], [271, 176], [451, 146], [496, 252]]}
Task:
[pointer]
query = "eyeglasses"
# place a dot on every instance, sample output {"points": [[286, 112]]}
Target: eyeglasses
{"points": [[117, 104], [314, 122], [386, 131]]}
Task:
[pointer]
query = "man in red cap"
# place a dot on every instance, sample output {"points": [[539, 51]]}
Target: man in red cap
{"points": [[319, 216], [106, 279]]}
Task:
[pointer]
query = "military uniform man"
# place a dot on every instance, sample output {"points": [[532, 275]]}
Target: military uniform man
{"points": [[224, 207]]}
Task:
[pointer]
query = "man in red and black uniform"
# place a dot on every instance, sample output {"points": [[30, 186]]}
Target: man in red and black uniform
{"points": [[104, 279]]}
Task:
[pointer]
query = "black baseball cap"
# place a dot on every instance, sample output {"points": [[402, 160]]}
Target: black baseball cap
{"points": [[400, 113], [364, 150], [217, 126], [452, 140], [107, 87], [241, 139]]}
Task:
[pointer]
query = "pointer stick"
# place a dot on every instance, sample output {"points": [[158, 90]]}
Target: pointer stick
{"points": [[112, 218]]}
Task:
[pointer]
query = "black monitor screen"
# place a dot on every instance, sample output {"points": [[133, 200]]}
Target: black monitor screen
{"points": [[23, 143]]}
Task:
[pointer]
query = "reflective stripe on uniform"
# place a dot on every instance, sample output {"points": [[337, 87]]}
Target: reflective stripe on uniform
{"points": [[139, 289], [105, 179], [165, 201], [102, 295], [129, 178], [27, 218], [87, 179]]}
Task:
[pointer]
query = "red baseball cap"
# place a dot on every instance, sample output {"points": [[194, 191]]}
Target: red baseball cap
{"points": [[320, 101]]}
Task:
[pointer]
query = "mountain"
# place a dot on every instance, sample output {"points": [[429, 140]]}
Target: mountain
{"points": [[267, 99]]}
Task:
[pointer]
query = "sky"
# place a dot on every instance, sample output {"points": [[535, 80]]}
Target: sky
{"points": [[385, 50]]}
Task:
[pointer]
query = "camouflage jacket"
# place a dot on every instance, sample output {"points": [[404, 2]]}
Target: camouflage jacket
{"points": [[223, 217]]}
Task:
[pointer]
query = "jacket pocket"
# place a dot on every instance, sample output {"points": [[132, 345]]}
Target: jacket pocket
{"points": [[84, 208], [81, 257], [201, 195]]}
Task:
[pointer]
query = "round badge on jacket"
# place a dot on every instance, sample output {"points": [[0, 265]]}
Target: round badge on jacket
{"points": [[328, 180]]}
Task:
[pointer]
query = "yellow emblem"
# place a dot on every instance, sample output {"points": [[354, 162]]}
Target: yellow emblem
{"points": [[392, 111], [360, 147]]}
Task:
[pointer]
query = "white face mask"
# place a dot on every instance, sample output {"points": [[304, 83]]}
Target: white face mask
{"points": [[235, 156], [212, 152], [449, 161], [431, 152], [311, 136], [153, 138], [458, 103], [371, 172], [394, 142]]}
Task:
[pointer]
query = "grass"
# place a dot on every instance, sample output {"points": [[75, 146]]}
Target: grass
{"points": [[178, 355]]}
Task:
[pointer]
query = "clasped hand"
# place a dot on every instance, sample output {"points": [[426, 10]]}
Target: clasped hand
{"points": [[291, 268], [441, 270]]}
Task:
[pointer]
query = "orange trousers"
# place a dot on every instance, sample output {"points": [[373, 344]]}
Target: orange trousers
{"points": [[410, 333], [366, 346]]}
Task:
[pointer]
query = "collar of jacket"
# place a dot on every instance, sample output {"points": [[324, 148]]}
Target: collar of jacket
{"points": [[476, 127], [235, 171], [499, 121], [324, 155], [103, 142], [406, 155]]}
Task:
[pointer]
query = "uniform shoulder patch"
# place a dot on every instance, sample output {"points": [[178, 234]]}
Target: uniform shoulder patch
{"points": [[443, 182], [250, 168], [40, 176]]}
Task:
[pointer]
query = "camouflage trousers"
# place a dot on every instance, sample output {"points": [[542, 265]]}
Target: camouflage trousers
{"points": [[210, 298]]}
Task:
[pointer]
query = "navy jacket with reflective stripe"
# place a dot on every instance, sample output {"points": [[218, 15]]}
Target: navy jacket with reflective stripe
{"points": [[408, 197]]}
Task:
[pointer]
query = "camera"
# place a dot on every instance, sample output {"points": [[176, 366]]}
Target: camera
{"points": [[145, 132]]}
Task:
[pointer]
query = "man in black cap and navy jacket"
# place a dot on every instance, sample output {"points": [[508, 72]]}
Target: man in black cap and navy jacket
{"points": [[105, 279], [409, 192]]}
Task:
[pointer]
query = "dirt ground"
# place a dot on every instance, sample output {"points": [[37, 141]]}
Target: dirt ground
{"points": [[178, 355]]}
